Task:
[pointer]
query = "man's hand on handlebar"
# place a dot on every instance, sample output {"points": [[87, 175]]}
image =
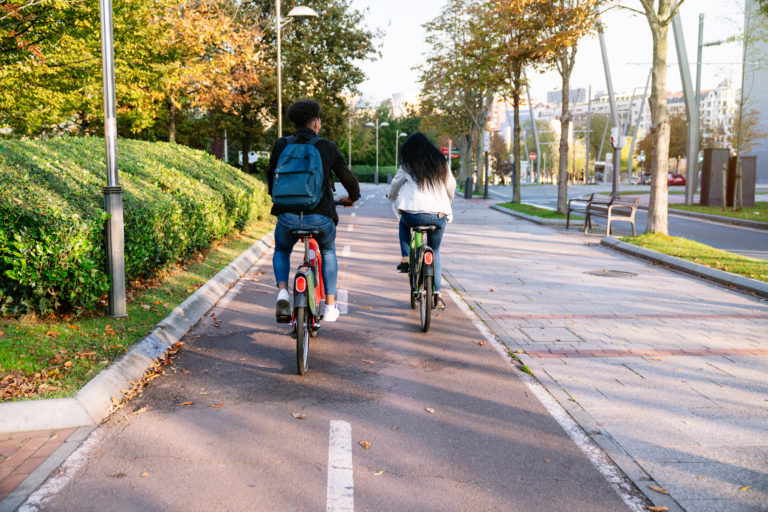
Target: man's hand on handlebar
{"points": [[345, 201]]}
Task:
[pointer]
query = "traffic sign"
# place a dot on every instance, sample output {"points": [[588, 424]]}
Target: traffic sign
{"points": [[444, 150], [532, 156]]}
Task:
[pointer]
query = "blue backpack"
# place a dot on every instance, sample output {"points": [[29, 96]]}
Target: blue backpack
{"points": [[299, 176]]}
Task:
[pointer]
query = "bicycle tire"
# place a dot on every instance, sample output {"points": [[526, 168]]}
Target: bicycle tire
{"points": [[302, 340], [425, 304]]}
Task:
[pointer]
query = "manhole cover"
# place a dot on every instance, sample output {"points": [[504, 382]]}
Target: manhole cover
{"points": [[611, 273]]}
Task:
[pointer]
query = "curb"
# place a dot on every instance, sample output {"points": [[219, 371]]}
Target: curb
{"points": [[721, 277], [722, 219], [94, 401], [533, 218]]}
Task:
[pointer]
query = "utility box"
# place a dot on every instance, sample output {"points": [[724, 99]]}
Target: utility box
{"points": [[713, 180], [748, 175]]}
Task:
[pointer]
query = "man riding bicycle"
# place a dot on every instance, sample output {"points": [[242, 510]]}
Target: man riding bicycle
{"points": [[305, 115]]}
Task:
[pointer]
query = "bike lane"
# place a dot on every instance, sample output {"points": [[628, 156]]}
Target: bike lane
{"points": [[388, 417]]}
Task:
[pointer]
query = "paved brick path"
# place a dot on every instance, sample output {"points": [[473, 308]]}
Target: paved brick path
{"points": [[668, 373], [22, 453]]}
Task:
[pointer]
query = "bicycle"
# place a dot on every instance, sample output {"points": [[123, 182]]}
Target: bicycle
{"points": [[308, 293], [421, 274]]}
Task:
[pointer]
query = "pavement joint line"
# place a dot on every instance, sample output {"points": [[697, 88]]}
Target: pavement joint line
{"points": [[617, 478], [543, 354], [621, 316], [93, 402], [720, 277]]}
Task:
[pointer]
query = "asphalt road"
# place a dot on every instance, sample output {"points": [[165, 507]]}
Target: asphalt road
{"points": [[450, 424], [747, 241]]}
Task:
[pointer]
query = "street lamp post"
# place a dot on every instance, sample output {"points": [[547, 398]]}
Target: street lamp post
{"points": [[377, 125], [295, 12], [397, 143]]}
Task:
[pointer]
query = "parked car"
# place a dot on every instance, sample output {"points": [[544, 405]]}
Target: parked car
{"points": [[674, 178]]}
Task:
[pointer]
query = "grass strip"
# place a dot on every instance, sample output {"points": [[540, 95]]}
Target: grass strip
{"points": [[702, 254], [536, 211], [54, 357], [759, 212]]}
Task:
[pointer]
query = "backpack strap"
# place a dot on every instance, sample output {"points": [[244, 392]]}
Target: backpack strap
{"points": [[291, 139], [314, 140]]}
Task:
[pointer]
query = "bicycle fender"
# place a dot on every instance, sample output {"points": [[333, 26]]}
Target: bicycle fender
{"points": [[429, 270], [300, 300]]}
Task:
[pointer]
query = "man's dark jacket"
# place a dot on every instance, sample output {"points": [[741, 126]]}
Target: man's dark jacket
{"points": [[332, 161]]}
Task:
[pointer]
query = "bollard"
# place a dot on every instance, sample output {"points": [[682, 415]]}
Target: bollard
{"points": [[468, 185]]}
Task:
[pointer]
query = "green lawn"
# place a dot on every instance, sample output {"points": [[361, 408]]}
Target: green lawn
{"points": [[702, 254], [758, 212], [54, 357], [536, 211]]}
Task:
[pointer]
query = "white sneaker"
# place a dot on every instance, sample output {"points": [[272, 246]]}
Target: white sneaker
{"points": [[283, 306], [331, 313]]}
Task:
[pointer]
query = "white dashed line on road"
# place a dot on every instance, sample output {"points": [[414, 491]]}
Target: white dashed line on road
{"points": [[346, 251], [354, 214], [350, 227], [342, 301], [340, 489]]}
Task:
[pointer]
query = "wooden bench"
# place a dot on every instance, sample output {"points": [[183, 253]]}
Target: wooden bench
{"points": [[612, 209], [578, 205]]}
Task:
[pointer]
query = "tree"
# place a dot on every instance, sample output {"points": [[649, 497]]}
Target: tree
{"points": [[499, 155], [565, 22], [659, 14]]}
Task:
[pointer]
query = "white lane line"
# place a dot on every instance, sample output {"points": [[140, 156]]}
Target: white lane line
{"points": [[342, 301], [594, 453], [340, 489], [350, 227], [354, 214], [345, 251]]}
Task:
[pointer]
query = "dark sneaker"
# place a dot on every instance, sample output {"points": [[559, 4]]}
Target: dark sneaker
{"points": [[283, 307], [403, 267], [437, 302]]}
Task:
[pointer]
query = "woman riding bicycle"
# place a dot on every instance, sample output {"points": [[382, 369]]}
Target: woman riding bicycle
{"points": [[423, 190]]}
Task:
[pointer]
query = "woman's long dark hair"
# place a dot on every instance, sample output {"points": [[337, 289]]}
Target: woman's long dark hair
{"points": [[423, 161]]}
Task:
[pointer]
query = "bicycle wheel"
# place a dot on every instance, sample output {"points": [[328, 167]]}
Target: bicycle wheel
{"points": [[302, 339], [425, 303]]}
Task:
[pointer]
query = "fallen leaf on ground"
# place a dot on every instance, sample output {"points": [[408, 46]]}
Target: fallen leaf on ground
{"points": [[430, 410], [184, 371], [745, 488], [217, 405], [139, 411], [146, 306], [518, 351], [367, 307], [491, 290], [547, 460], [299, 416], [187, 403], [379, 472], [74, 327], [157, 302], [395, 428], [658, 489], [52, 333], [144, 475], [68, 364], [368, 361], [657, 359], [653, 508], [365, 444]]}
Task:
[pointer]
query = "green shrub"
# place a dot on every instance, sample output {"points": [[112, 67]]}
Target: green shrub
{"points": [[366, 173], [176, 201]]}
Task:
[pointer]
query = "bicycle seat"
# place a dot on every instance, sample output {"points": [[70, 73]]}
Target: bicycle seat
{"points": [[424, 229], [306, 232]]}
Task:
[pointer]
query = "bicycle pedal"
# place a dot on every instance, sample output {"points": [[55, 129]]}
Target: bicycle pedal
{"points": [[283, 319]]}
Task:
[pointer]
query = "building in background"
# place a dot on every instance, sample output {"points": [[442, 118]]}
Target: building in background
{"points": [[756, 91]]}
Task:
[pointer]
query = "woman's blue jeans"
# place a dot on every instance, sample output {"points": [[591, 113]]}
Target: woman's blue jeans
{"points": [[408, 220], [284, 242]]}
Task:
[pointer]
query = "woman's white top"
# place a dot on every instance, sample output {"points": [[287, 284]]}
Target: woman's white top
{"points": [[409, 197]]}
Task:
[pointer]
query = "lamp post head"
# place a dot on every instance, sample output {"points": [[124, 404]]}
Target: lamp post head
{"points": [[384, 124], [402, 134], [369, 124], [302, 11]]}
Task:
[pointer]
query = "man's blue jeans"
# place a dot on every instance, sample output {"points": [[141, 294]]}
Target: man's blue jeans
{"points": [[284, 242], [407, 220]]}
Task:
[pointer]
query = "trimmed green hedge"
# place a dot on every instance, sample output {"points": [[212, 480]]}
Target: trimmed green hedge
{"points": [[176, 200], [366, 173]]}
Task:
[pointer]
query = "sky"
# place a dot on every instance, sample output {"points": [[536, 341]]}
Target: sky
{"points": [[627, 37]]}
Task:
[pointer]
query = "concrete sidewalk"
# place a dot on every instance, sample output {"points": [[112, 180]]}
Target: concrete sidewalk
{"points": [[666, 372]]}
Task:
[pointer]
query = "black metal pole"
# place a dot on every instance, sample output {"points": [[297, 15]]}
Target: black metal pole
{"points": [[485, 190]]}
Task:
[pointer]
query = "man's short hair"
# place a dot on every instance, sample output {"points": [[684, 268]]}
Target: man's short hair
{"points": [[303, 111]]}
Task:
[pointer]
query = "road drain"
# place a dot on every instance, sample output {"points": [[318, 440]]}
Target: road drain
{"points": [[611, 273]]}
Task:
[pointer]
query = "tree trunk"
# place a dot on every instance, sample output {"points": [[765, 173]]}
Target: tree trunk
{"points": [[659, 159], [171, 120], [517, 84], [479, 160], [245, 146], [464, 148], [565, 124]]}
